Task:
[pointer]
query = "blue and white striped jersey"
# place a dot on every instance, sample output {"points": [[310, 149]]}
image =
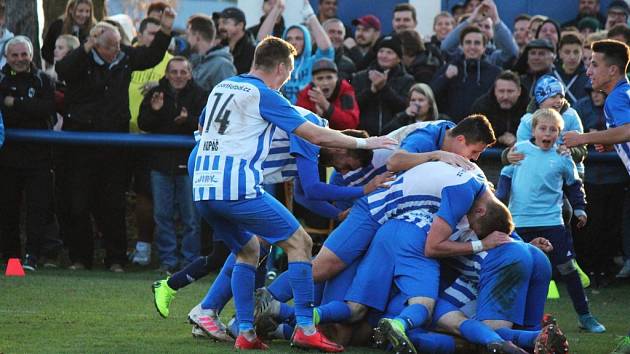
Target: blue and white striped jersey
{"points": [[432, 188], [464, 289], [280, 165], [362, 176], [240, 118]]}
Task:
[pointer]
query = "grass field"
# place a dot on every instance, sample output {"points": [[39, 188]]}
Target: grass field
{"points": [[58, 311]]}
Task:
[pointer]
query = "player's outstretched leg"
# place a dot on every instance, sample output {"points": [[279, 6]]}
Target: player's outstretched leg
{"points": [[164, 290], [298, 248], [163, 295]]}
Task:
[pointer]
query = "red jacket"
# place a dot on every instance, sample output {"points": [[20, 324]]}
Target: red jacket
{"points": [[344, 110]]}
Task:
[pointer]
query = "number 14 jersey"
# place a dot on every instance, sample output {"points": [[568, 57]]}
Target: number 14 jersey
{"points": [[241, 116]]}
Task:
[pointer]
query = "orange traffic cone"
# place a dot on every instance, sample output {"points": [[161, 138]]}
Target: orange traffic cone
{"points": [[14, 268]]}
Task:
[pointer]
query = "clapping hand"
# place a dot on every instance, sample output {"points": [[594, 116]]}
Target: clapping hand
{"points": [[157, 101], [182, 117]]}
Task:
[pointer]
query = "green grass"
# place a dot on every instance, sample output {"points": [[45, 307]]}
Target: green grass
{"points": [[60, 311]]}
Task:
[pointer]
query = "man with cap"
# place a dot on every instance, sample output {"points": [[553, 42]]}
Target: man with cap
{"points": [[464, 78], [586, 8], [617, 13], [381, 88], [536, 61], [232, 33], [366, 34], [330, 97]]}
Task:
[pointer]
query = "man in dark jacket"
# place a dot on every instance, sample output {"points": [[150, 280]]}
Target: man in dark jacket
{"points": [[460, 82], [173, 108], [27, 101], [535, 61], [233, 34], [337, 33], [97, 75], [382, 89], [504, 105]]}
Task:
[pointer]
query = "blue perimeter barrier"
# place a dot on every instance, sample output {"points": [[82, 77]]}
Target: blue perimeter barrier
{"points": [[172, 141]]}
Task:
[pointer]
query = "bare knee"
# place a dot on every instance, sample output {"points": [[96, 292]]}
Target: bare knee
{"points": [[326, 265], [298, 247], [495, 324], [451, 321], [249, 253], [357, 311]]}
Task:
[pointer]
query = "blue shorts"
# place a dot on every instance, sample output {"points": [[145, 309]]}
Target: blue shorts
{"points": [[394, 258], [335, 289], [501, 293], [560, 238], [538, 288], [236, 221], [351, 239]]}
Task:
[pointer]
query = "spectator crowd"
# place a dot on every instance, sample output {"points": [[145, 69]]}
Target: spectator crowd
{"points": [[104, 76]]}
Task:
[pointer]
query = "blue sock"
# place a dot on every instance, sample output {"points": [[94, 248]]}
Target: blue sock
{"points": [[334, 311], [286, 312], [523, 339], [195, 270], [233, 327], [280, 288], [243, 278], [432, 343], [221, 290], [413, 316], [478, 333], [576, 292], [318, 292], [287, 330], [301, 277]]}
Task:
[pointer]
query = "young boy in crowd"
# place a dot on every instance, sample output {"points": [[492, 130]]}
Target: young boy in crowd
{"points": [[534, 188]]}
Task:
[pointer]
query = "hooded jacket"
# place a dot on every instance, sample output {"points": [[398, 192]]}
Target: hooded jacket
{"points": [[33, 108], [378, 109], [193, 98], [456, 95], [97, 93], [301, 75], [502, 120], [213, 67]]}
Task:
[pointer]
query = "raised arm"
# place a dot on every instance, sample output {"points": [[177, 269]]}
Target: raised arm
{"points": [[266, 28], [316, 29]]}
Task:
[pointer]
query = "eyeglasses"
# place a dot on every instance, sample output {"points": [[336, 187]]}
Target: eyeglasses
{"points": [[469, 42]]}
